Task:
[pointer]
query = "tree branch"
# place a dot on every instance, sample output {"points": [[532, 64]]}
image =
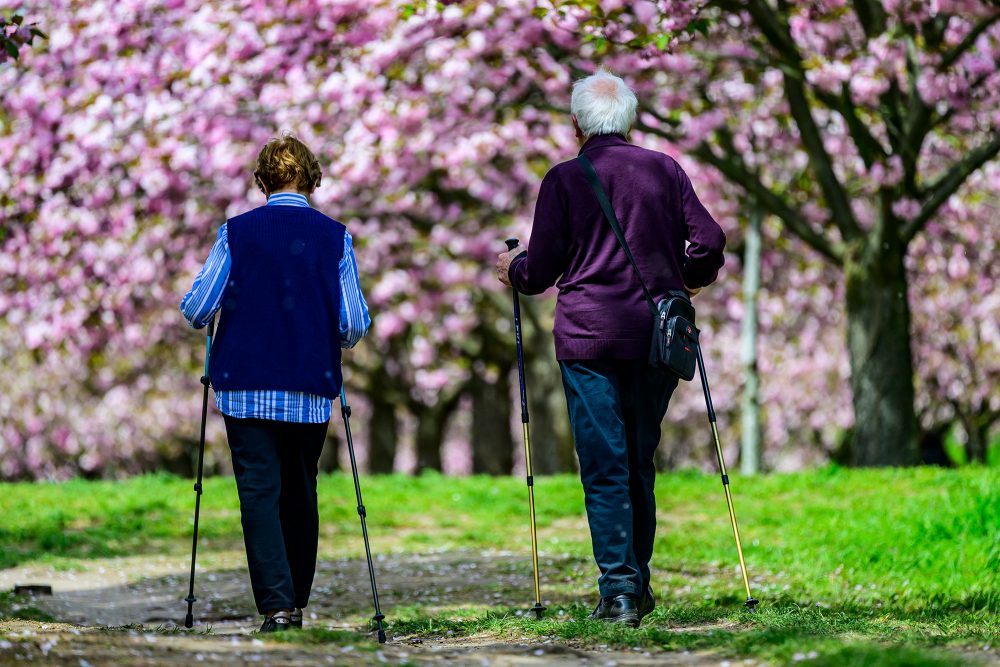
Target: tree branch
{"points": [[942, 189], [871, 15], [736, 171], [777, 34], [959, 50], [773, 30], [812, 141], [918, 122], [869, 147]]}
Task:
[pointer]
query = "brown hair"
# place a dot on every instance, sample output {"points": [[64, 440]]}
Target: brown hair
{"points": [[286, 162]]}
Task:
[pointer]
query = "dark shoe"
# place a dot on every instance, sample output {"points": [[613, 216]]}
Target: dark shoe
{"points": [[276, 622], [617, 609], [647, 604], [295, 618]]}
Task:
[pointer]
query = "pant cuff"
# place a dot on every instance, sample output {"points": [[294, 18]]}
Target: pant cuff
{"points": [[625, 587]]}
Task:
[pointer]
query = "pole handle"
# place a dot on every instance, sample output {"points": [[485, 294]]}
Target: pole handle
{"points": [[512, 243]]}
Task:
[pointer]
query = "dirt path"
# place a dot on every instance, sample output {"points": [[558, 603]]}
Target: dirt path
{"points": [[145, 595]]}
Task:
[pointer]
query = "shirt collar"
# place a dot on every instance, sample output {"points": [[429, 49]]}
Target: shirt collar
{"points": [[602, 140], [287, 199]]}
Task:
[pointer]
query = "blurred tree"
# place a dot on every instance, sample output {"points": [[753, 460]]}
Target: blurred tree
{"points": [[15, 34], [128, 139], [854, 124], [750, 417]]}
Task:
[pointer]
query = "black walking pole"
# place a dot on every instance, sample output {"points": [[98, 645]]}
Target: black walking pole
{"points": [[750, 601], [191, 599], [538, 608], [345, 410]]}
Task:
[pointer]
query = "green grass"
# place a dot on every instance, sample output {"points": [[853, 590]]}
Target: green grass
{"points": [[880, 567], [18, 608]]}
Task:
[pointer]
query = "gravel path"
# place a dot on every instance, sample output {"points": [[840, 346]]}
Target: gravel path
{"points": [[145, 595]]}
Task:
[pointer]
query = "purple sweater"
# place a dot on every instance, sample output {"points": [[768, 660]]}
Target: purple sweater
{"points": [[601, 312]]}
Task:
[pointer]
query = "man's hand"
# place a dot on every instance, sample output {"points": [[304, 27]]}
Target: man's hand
{"points": [[692, 291], [503, 264]]}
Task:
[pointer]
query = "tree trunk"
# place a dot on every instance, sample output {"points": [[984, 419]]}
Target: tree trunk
{"points": [[977, 431], [430, 431], [932, 451], [329, 458], [492, 445], [750, 417], [878, 340], [551, 441], [431, 424], [383, 434]]}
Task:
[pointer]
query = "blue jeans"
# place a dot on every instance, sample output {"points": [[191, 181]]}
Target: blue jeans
{"points": [[276, 464], [615, 410]]}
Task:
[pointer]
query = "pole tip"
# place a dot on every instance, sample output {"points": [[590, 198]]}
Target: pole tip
{"points": [[189, 621], [381, 636], [512, 243], [539, 610], [751, 605]]}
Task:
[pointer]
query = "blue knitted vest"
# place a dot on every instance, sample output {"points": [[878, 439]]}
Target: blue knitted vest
{"points": [[279, 326]]}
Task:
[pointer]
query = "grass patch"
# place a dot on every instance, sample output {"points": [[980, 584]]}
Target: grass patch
{"points": [[13, 607], [852, 566], [343, 638], [784, 633]]}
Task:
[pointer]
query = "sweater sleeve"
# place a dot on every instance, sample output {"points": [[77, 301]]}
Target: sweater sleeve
{"points": [[706, 239], [540, 268]]}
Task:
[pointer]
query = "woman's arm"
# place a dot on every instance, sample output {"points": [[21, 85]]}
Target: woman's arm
{"points": [[354, 317], [200, 304]]}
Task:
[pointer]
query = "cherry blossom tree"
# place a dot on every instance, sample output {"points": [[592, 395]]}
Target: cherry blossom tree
{"points": [[16, 34], [126, 138], [856, 124]]}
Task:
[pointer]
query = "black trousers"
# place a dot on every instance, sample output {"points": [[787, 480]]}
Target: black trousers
{"points": [[615, 410], [276, 464]]}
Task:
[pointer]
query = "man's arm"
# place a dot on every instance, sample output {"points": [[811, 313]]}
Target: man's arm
{"points": [[354, 317], [707, 240], [201, 303], [536, 271]]}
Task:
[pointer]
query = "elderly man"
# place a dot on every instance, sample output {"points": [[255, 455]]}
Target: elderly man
{"points": [[603, 324]]}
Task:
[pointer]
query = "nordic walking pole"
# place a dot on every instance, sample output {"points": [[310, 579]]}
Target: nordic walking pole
{"points": [[538, 608], [750, 601], [345, 410], [191, 599]]}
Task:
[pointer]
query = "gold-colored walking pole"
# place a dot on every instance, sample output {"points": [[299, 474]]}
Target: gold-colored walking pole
{"points": [[750, 602], [538, 608]]}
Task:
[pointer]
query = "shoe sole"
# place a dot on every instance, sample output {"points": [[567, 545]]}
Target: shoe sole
{"points": [[625, 619]]}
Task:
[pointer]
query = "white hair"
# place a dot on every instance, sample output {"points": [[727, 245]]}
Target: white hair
{"points": [[603, 104]]}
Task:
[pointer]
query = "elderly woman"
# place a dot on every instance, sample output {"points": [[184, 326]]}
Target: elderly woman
{"points": [[603, 325], [285, 279]]}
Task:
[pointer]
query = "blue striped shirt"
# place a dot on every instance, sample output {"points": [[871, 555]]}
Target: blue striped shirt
{"points": [[205, 297]]}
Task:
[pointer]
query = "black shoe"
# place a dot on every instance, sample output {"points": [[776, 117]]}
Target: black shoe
{"points": [[279, 621], [617, 609], [647, 604], [295, 618]]}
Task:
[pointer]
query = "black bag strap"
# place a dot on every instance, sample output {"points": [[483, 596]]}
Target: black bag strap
{"points": [[609, 213]]}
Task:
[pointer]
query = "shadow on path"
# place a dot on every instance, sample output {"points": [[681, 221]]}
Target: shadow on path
{"points": [[125, 611]]}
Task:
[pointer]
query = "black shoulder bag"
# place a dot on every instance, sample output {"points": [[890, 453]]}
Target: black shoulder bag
{"points": [[675, 337]]}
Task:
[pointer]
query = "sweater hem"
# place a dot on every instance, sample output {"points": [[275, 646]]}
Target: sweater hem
{"points": [[625, 349]]}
